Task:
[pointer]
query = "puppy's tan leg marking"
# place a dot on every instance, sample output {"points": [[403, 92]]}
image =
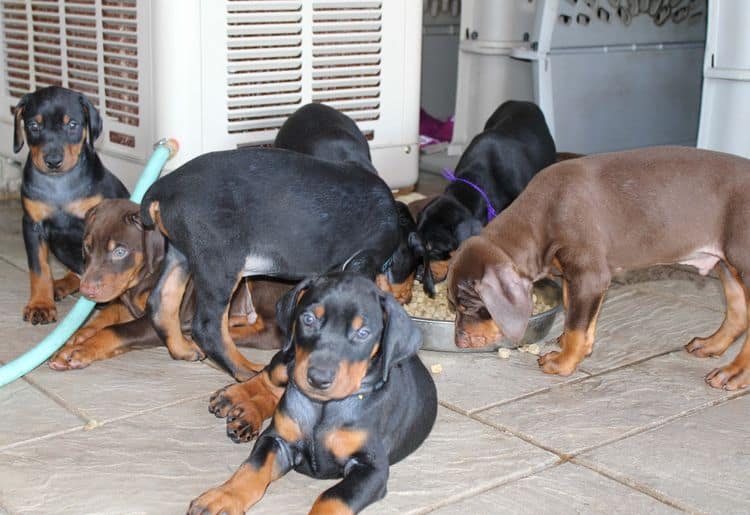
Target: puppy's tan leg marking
{"points": [[735, 375], [575, 344], [169, 317], [66, 285], [240, 492], [735, 320], [245, 369]]}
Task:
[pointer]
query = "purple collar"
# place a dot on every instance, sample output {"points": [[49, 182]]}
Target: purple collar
{"points": [[491, 213]]}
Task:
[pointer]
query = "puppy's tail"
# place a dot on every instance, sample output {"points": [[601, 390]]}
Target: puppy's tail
{"points": [[151, 213]]}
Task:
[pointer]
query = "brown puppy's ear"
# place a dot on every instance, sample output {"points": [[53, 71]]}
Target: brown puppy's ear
{"points": [[401, 337], [285, 308], [17, 125], [507, 297], [90, 215], [92, 119]]}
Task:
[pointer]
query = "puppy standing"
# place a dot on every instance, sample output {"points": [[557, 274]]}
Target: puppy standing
{"points": [[62, 179], [322, 131], [358, 400], [606, 213], [501, 160]]}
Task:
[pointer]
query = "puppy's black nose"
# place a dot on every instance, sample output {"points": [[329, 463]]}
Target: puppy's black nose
{"points": [[53, 162], [320, 378]]}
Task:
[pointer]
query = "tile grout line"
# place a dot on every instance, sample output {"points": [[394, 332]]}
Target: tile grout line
{"points": [[455, 498], [638, 487], [564, 456], [11, 263], [575, 456], [39, 438], [146, 411], [60, 401], [571, 382], [94, 424], [522, 436], [661, 423]]}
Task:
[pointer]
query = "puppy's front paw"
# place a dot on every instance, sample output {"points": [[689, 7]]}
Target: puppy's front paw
{"points": [[217, 501], [729, 377], [40, 312], [706, 347], [556, 363], [66, 286], [73, 356], [186, 350], [245, 406]]}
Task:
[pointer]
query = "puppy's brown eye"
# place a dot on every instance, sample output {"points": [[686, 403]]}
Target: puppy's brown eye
{"points": [[33, 126], [362, 333]]}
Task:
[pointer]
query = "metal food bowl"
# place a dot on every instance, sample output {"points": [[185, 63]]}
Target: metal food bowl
{"points": [[438, 335]]}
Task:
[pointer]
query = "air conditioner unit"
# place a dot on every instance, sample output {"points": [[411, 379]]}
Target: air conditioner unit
{"points": [[220, 74]]}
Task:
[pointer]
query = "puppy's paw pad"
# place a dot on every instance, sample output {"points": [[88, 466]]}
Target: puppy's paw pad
{"points": [[40, 313]]}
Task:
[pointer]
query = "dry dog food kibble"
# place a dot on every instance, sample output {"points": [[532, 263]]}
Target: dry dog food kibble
{"points": [[439, 308]]}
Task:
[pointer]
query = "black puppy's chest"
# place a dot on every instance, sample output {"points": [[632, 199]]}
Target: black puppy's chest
{"points": [[325, 426], [56, 208]]}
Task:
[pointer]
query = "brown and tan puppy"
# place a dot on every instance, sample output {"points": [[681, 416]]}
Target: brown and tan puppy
{"points": [[597, 215], [122, 263]]}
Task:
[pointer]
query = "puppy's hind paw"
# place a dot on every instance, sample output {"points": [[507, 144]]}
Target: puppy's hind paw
{"points": [[729, 377]]}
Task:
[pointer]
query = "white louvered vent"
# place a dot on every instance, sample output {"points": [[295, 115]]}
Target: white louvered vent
{"points": [[347, 56], [270, 72], [264, 59], [87, 45]]}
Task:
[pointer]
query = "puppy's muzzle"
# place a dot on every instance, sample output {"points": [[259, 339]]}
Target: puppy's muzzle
{"points": [[321, 371]]}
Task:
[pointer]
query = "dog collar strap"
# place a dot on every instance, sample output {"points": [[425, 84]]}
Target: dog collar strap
{"points": [[387, 264], [491, 213]]}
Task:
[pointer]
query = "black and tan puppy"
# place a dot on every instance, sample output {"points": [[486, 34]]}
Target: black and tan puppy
{"points": [[358, 400], [122, 264], [259, 212], [324, 132], [514, 145], [62, 179], [600, 214]]}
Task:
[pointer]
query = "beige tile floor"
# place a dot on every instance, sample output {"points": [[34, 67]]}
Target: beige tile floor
{"points": [[635, 430]]}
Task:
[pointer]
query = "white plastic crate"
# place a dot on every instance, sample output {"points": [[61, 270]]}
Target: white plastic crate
{"points": [[606, 74], [725, 108], [220, 74]]}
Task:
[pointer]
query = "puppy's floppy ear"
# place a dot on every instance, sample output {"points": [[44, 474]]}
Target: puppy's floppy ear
{"points": [[90, 215], [17, 125], [401, 337], [285, 310], [92, 119], [466, 229], [507, 297]]}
